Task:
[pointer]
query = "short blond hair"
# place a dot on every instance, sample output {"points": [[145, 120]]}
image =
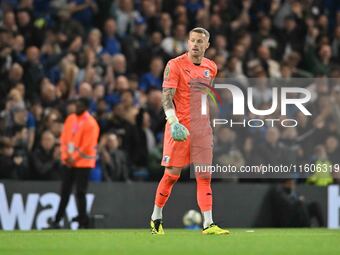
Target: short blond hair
{"points": [[200, 30]]}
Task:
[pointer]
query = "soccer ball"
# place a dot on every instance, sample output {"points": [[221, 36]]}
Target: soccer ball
{"points": [[192, 218]]}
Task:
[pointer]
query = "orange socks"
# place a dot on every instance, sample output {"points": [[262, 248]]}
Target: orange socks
{"points": [[164, 188], [204, 193]]}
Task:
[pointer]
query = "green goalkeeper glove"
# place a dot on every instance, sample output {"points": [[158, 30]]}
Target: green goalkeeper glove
{"points": [[178, 131]]}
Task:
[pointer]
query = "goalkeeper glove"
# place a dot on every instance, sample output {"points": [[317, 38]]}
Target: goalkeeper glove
{"points": [[178, 131]]}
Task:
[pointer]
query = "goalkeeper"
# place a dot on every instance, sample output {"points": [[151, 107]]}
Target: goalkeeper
{"points": [[182, 147]]}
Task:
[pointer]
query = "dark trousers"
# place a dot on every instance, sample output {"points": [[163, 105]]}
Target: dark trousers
{"points": [[79, 176]]}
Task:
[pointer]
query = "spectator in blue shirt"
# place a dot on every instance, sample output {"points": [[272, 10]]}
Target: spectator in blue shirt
{"points": [[111, 43], [153, 79], [83, 11]]}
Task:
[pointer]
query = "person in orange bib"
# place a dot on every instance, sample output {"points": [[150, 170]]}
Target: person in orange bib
{"points": [[78, 147], [188, 135]]}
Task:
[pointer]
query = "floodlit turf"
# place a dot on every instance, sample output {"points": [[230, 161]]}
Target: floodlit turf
{"points": [[140, 242]]}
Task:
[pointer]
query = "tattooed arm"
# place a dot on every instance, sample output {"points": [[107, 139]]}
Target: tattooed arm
{"points": [[171, 79], [167, 97], [168, 105], [178, 131]]}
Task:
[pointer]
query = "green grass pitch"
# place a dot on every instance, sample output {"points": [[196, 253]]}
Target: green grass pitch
{"points": [[120, 242]]}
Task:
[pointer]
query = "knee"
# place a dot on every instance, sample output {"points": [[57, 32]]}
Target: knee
{"points": [[203, 179], [173, 171], [171, 178]]}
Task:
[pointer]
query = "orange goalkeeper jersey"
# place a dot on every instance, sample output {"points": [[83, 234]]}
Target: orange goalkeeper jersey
{"points": [[181, 73]]}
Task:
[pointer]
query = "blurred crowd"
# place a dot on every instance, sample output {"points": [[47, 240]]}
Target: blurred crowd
{"points": [[114, 52]]}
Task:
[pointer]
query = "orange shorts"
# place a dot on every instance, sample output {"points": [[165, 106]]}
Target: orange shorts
{"points": [[197, 149]]}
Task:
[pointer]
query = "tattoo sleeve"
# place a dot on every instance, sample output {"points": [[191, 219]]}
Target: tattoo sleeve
{"points": [[167, 97]]}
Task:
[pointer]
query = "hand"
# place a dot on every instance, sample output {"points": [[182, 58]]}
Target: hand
{"points": [[56, 153], [178, 131], [102, 142], [69, 161], [5, 52], [106, 58], [75, 44], [62, 37], [18, 160]]}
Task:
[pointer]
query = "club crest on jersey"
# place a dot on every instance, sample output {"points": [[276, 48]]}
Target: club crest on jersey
{"points": [[206, 73], [166, 159]]}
